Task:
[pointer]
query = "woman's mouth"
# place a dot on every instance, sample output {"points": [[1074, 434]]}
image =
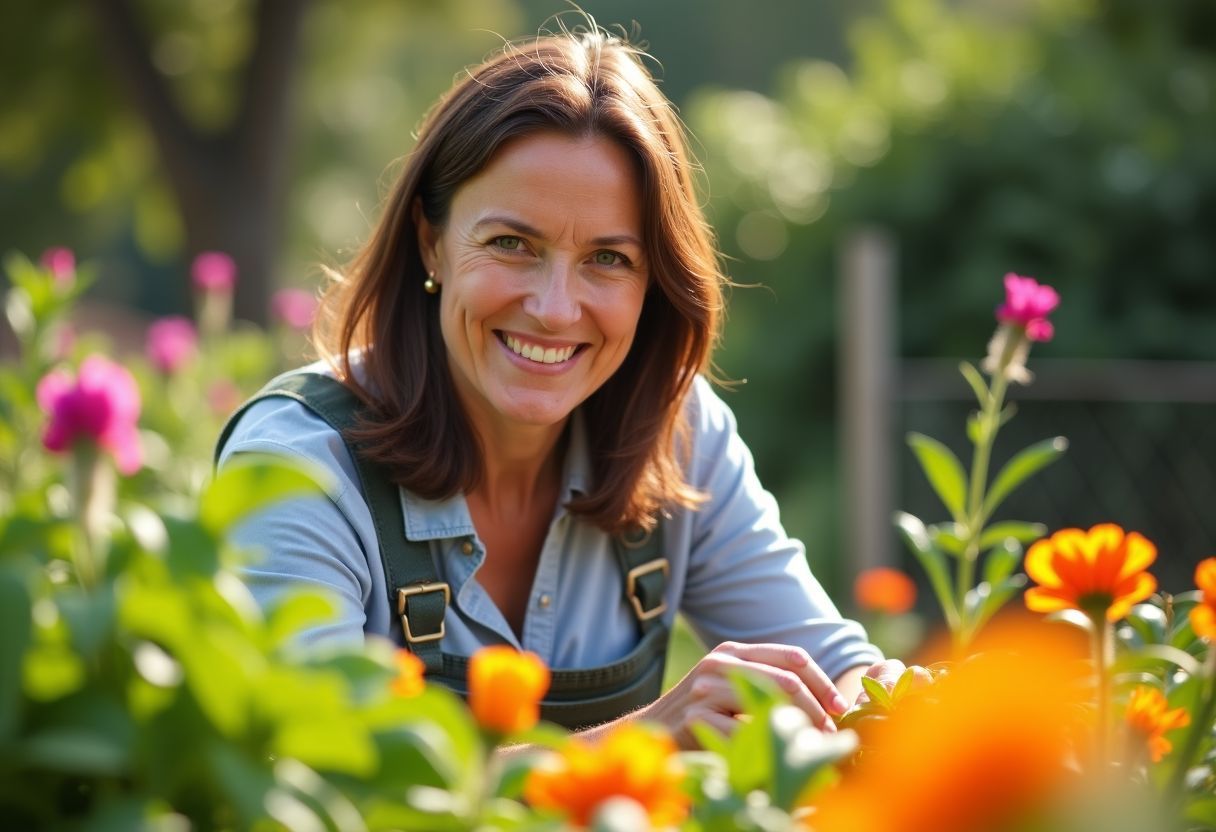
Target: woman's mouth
{"points": [[538, 353]]}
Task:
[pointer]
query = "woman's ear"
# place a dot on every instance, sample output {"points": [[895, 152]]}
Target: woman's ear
{"points": [[428, 237]]}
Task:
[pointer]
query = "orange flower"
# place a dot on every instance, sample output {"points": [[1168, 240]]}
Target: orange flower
{"points": [[631, 761], [410, 669], [1099, 571], [987, 750], [1147, 716], [1203, 616], [884, 590], [505, 688]]}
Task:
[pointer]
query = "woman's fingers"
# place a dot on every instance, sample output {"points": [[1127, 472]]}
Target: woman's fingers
{"points": [[722, 662], [797, 661]]}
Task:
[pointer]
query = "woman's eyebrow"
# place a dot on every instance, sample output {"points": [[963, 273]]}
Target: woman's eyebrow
{"points": [[532, 231]]}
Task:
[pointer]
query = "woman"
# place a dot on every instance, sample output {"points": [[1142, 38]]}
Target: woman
{"points": [[538, 462]]}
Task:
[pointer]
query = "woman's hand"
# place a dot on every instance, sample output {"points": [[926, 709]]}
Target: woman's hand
{"points": [[706, 694]]}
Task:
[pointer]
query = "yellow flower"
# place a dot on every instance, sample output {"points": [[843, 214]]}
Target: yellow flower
{"points": [[410, 670], [884, 590], [505, 688], [988, 749], [631, 761], [1147, 716], [1098, 572], [1203, 616]]}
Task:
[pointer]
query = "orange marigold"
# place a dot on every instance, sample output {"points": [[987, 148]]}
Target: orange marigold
{"points": [[1147, 716], [1098, 572], [631, 761], [410, 669], [988, 750], [1203, 615], [505, 688], [884, 590]]}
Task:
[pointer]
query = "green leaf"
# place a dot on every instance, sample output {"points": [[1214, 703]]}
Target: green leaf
{"points": [[1002, 561], [250, 482], [801, 751], [298, 611], [1019, 530], [931, 560], [987, 599], [944, 472], [15, 629], [86, 734], [976, 381], [1156, 654], [1024, 464], [1148, 621], [878, 693], [948, 537], [976, 429]]}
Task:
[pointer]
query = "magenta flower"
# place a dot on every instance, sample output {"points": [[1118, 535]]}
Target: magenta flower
{"points": [[101, 405], [294, 307], [61, 263], [172, 342], [214, 271], [1027, 304]]}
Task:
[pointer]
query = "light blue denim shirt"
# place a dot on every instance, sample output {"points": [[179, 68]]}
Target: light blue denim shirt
{"points": [[735, 574]]}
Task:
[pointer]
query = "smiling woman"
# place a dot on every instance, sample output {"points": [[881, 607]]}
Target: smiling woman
{"points": [[511, 401]]}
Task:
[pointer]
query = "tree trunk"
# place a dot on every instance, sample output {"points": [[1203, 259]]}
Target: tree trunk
{"points": [[228, 185]]}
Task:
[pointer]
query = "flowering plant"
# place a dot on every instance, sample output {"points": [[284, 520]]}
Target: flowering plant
{"points": [[968, 497], [142, 687]]}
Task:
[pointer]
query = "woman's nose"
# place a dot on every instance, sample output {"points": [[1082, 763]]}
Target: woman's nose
{"points": [[554, 303]]}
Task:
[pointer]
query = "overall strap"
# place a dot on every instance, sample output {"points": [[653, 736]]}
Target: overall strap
{"points": [[646, 570], [414, 591]]}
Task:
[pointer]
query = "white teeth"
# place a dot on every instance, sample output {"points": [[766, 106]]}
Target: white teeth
{"points": [[537, 353]]}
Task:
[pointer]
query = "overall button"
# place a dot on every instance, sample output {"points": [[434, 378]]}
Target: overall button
{"points": [[544, 601], [467, 547]]}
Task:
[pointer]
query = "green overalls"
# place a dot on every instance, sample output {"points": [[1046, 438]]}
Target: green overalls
{"points": [[577, 698]]}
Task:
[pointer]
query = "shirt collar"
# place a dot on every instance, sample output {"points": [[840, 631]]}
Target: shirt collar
{"points": [[436, 519]]}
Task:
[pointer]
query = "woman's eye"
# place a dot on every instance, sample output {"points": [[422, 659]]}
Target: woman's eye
{"points": [[508, 243], [609, 258]]}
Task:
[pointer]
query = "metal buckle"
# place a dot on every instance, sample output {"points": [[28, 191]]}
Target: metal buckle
{"points": [[405, 592], [631, 582]]}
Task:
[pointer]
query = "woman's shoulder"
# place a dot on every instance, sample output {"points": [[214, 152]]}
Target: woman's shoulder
{"points": [[284, 426], [707, 412]]}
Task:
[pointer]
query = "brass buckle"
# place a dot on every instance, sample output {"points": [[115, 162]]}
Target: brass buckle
{"points": [[631, 582], [417, 589]]}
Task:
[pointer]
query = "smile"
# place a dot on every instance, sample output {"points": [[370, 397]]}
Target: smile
{"points": [[538, 353]]}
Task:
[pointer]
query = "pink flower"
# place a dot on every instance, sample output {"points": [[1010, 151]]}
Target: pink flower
{"points": [[214, 271], [61, 263], [294, 307], [172, 342], [100, 405], [1027, 304]]}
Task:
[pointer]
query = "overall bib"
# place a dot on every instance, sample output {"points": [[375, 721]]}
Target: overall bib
{"points": [[577, 698]]}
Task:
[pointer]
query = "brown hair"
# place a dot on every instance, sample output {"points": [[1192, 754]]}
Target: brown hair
{"points": [[588, 83]]}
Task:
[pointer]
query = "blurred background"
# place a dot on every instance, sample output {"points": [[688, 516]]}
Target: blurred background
{"points": [[873, 168]]}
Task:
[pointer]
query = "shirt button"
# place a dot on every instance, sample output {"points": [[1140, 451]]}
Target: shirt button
{"points": [[467, 547], [544, 601]]}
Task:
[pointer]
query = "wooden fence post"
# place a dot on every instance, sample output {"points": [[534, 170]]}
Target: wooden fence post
{"points": [[866, 361]]}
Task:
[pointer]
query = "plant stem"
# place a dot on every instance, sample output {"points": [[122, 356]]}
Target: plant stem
{"points": [[989, 424], [1103, 645]]}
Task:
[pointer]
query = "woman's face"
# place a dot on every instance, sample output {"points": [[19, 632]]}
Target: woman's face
{"points": [[542, 273]]}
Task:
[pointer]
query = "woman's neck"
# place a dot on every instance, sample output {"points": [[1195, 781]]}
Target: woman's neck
{"points": [[521, 464]]}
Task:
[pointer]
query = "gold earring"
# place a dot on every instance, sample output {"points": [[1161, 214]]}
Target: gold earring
{"points": [[432, 288]]}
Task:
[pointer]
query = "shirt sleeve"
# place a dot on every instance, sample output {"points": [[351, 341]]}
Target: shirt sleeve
{"points": [[747, 579], [306, 543]]}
